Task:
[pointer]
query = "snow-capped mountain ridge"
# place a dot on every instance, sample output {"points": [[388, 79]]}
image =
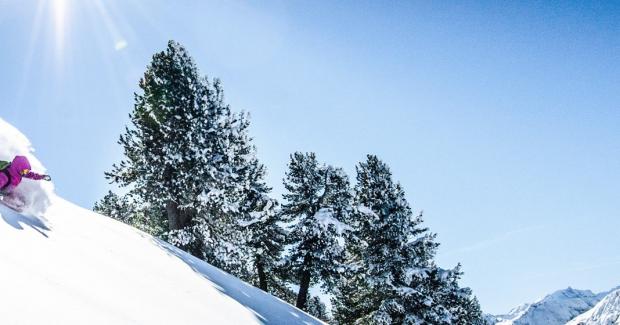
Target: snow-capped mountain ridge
{"points": [[512, 314], [606, 312], [556, 308]]}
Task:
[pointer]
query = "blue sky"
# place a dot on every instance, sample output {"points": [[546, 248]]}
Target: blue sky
{"points": [[500, 120]]}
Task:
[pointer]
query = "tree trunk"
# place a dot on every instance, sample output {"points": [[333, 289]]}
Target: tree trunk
{"points": [[185, 217], [178, 218], [262, 277], [304, 284], [172, 210]]}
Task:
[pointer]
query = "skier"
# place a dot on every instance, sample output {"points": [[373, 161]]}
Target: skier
{"points": [[11, 174]]}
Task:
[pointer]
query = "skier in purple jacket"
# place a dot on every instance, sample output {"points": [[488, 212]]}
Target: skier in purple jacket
{"points": [[12, 175]]}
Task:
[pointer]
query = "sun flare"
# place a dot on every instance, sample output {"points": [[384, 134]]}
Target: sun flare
{"points": [[59, 12]]}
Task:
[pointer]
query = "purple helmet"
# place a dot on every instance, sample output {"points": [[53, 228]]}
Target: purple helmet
{"points": [[20, 163]]}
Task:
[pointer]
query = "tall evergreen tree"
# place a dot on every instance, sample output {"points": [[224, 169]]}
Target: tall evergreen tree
{"points": [[317, 202], [396, 249], [261, 227], [391, 260], [189, 156], [163, 147], [233, 170], [265, 239]]}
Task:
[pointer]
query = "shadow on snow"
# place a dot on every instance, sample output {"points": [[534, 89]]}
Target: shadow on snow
{"points": [[18, 221], [267, 308]]}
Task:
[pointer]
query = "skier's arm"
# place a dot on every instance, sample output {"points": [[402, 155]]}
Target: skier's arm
{"points": [[36, 177]]}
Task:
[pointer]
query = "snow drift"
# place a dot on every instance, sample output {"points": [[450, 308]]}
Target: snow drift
{"points": [[62, 264], [606, 312]]}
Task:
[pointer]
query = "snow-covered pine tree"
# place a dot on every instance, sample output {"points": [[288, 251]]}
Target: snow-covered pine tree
{"points": [[396, 252], [222, 205], [318, 309], [391, 262], [351, 297], [473, 314], [317, 200], [163, 148], [127, 210], [242, 234], [187, 154], [115, 207], [265, 237], [460, 303]]}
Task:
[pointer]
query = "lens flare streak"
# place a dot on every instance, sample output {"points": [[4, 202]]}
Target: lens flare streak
{"points": [[59, 9]]}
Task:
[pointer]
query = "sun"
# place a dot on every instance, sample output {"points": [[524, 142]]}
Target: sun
{"points": [[56, 24]]}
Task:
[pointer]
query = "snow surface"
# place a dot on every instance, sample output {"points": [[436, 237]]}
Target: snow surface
{"points": [[62, 264], [606, 312], [556, 308]]}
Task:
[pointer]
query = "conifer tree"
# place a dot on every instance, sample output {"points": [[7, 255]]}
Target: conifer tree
{"points": [[187, 154], [318, 309], [115, 207], [351, 297], [127, 210], [317, 202], [391, 260], [163, 148], [260, 225], [396, 249], [461, 304]]}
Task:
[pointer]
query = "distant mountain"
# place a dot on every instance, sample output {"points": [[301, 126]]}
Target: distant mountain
{"points": [[512, 314], [606, 312], [554, 309]]}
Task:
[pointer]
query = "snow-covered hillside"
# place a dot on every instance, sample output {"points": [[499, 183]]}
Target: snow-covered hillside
{"points": [[556, 308], [606, 312], [62, 264]]}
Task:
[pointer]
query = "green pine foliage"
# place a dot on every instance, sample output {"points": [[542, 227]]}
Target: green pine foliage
{"points": [[164, 145], [318, 309], [261, 227], [391, 274], [317, 203], [188, 156], [125, 209]]}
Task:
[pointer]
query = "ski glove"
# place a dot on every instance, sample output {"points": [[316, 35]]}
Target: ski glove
{"points": [[47, 178]]}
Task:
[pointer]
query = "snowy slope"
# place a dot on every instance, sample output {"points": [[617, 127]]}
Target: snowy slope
{"points": [[606, 312], [556, 308], [61, 264]]}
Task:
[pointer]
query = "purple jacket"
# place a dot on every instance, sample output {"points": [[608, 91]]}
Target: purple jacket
{"points": [[14, 177]]}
